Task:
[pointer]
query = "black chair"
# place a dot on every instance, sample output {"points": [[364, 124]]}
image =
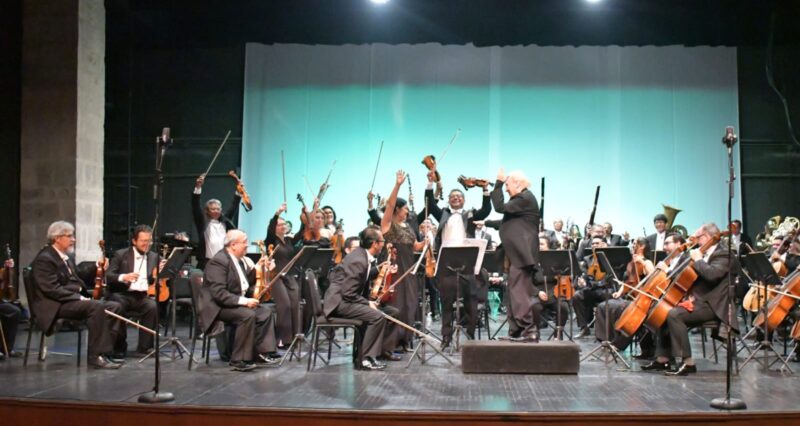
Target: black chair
{"points": [[329, 325], [195, 287], [61, 325]]}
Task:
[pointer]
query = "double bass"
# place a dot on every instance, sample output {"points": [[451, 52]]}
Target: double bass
{"points": [[100, 273]]}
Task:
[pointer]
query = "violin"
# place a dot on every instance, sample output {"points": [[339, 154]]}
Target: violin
{"points": [[471, 182], [264, 277], [309, 234], [8, 291], [260, 276], [379, 283], [163, 289], [240, 189], [430, 162], [337, 242], [563, 288], [100, 273], [594, 270], [430, 262]]}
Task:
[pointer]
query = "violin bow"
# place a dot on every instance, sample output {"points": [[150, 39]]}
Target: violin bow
{"points": [[374, 175], [455, 136], [214, 160], [283, 174], [541, 209], [325, 185]]}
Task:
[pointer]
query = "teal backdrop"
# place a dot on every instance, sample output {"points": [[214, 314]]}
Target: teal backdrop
{"points": [[644, 123]]}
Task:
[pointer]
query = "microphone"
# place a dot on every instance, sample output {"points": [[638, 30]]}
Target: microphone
{"points": [[730, 138], [165, 139]]}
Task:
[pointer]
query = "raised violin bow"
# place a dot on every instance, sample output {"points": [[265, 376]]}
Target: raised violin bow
{"points": [[374, 175], [214, 160], [283, 175], [541, 208], [325, 186]]}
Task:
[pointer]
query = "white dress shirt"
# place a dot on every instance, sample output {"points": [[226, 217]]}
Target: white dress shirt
{"points": [[454, 228], [140, 267], [215, 237]]}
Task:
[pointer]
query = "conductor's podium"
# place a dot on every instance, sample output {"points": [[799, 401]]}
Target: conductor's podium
{"points": [[495, 356]]}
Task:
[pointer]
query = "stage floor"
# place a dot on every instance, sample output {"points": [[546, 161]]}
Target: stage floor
{"points": [[432, 387]]}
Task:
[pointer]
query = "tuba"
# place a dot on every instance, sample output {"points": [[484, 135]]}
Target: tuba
{"points": [[773, 228], [671, 212]]}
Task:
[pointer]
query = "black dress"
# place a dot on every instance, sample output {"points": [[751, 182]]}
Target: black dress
{"points": [[286, 290], [406, 294]]}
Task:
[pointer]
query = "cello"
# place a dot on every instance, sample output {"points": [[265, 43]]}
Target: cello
{"points": [[778, 307], [100, 273]]}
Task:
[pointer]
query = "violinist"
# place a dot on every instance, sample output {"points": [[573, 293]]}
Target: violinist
{"points": [[396, 230], [590, 289], [59, 293], [10, 316], [128, 276], [329, 229], [791, 258], [345, 298], [546, 304], [312, 230], [210, 223], [585, 246], [455, 224], [286, 289], [707, 301]]}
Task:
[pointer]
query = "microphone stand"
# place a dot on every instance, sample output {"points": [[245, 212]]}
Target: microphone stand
{"points": [[726, 402], [156, 396]]}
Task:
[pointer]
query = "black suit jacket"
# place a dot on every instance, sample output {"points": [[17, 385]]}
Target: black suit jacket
{"points": [[469, 216], [221, 287], [519, 231], [53, 285], [617, 241], [122, 263], [201, 222], [712, 281], [348, 281]]}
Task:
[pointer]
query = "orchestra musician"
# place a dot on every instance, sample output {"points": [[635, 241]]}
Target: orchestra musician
{"points": [[558, 234], [229, 282], [456, 224], [519, 233], [545, 303], [128, 276], [612, 239], [210, 223], [59, 293], [707, 300], [349, 282], [286, 289], [656, 240], [10, 316], [590, 291]]}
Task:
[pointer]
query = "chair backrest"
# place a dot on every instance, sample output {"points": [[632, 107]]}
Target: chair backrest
{"points": [[313, 293], [86, 273], [27, 281], [195, 284], [180, 285]]}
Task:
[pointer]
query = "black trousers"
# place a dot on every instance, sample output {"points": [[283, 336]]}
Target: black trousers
{"points": [[10, 316], [374, 329], [584, 302], [449, 288], [135, 304], [522, 318], [255, 331], [615, 309], [550, 309], [286, 295], [673, 339], [103, 329]]}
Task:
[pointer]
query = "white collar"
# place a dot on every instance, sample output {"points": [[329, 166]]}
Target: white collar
{"points": [[64, 257]]}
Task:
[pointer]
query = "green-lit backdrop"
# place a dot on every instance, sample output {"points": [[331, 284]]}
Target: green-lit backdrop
{"points": [[645, 123]]}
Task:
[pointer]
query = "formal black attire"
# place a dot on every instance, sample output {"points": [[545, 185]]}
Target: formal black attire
{"points": [[519, 234], [406, 294], [201, 222], [615, 240], [255, 328], [710, 290], [10, 316], [286, 289], [344, 299], [550, 308], [133, 302], [57, 294], [587, 298]]}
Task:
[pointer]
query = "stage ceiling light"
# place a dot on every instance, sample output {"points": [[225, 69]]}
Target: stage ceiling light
{"points": [[380, 1]]}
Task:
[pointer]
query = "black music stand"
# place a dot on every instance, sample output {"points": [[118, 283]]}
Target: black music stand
{"points": [[558, 263], [419, 351], [461, 260], [175, 262], [301, 259], [606, 265], [658, 256], [762, 274]]}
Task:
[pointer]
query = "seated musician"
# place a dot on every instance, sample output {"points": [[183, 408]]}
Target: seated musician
{"points": [[707, 301], [210, 223], [612, 239], [585, 246], [590, 291], [127, 279], [230, 283], [349, 282], [10, 316], [59, 294], [546, 305]]}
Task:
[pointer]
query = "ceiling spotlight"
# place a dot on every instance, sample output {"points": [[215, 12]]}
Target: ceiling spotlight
{"points": [[593, 1], [380, 1]]}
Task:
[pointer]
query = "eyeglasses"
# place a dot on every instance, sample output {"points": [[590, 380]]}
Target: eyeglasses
{"points": [[67, 235], [381, 241]]}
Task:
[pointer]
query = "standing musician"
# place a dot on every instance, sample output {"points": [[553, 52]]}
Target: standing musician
{"points": [[58, 294], [656, 241], [211, 224], [286, 290], [707, 300], [519, 233], [128, 276], [10, 316], [741, 242], [591, 291], [349, 281], [396, 230], [545, 304], [330, 222], [312, 230], [455, 224], [230, 283]]}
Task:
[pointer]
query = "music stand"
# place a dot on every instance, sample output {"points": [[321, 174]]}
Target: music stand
{"points": [[170, 271], [419, 351], [658, 256], [762, 274], [558, 263], [611, 352], [617, 258], [301, 259], [458, 258]]}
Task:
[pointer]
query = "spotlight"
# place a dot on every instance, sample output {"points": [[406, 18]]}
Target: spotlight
{"points": [[593, 1], [379, 1]]}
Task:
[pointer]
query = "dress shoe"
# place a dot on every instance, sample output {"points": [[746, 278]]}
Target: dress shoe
{"points": [[389, 356], [242, 365], [14, 354], [101, 362], [655, 366], [585, 331], [370, 364], [118, 358], [267, 359], [445, 344], [644, 356], [683, 370]]}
